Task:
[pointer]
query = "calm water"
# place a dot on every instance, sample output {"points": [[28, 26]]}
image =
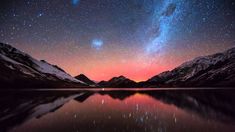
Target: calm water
{"points": [[129, 110]]}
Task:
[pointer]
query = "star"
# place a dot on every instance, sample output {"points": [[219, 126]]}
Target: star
{"points": [[97, 43], [40, 14]]}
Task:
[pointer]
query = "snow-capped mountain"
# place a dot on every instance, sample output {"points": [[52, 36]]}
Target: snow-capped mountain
{"points": [[85, 79], [18, 69], [118, 82], [213, 70]]}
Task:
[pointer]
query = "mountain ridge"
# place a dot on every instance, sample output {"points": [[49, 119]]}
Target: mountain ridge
{"points": [[116, 82], [85, 79], [212, 70], [19, 69]]}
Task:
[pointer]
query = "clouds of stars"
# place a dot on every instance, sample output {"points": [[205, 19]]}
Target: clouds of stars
{"points": [[144, 32]]}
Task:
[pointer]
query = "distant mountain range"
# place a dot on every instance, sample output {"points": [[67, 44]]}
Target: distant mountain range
{"points": [[118, 82], [18, 69]]}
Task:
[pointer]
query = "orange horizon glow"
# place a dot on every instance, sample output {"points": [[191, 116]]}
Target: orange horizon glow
{"points": [[107, 73], [100, 72], [107, 64]]}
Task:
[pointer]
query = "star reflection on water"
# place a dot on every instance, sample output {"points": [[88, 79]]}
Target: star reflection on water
{"points": [[119, 110]]}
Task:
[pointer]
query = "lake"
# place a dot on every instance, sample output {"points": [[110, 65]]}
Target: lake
{"points": [[118, 110]]}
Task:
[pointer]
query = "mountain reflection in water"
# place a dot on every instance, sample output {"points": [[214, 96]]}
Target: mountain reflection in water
{"points": [[121, 111]]}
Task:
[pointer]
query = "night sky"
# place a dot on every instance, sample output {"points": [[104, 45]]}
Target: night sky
{"points": [[106, 38]]}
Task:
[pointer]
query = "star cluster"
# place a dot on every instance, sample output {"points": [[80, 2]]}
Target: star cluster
{"points": [[106, 38]]}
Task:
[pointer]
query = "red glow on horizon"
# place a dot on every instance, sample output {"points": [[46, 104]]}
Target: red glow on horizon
{"points": [[107, 64], [104, 69], [134, 72]]}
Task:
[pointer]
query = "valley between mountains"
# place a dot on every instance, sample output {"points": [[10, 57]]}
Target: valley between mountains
{"points": [[20, 70]]}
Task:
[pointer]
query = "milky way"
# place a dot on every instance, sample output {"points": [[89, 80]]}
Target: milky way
{"points": [[106, 38], [162, 24]]}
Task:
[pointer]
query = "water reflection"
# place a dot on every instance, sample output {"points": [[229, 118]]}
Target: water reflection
{"points": [[127, 111]]}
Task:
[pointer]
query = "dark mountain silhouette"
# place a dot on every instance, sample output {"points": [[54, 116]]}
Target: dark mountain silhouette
{"points": [[118, 82], [85, 79]]}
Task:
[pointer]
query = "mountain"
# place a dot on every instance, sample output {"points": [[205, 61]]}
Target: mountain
{"points": [[215, 70], [118, 82], [85, 79], [18, 69]]}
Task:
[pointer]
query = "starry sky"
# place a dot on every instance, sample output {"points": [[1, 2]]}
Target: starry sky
{"points": [[106, 38]]}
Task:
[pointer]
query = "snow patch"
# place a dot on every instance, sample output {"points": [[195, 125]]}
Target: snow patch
{"points": [[47, 68]]}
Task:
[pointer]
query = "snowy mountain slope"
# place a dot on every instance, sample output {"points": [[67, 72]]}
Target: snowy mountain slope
{"points": [[17, 66], [213, 70], [45, 67]]}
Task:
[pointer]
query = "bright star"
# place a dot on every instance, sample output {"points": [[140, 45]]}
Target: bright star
{"points": [[97, 43], [40, 14]]}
